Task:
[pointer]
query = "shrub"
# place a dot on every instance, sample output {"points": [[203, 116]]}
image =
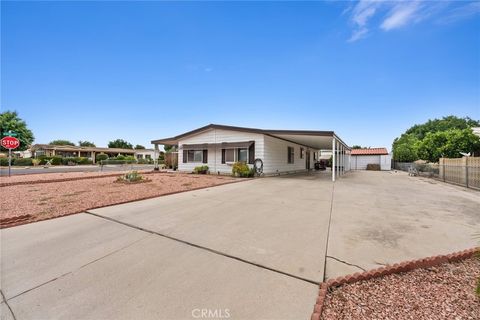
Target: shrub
{"points": [[36, 162], [373, 166], [84, 160], [241, 169], [201, 169], [43, 159], [22, 162], [56, 160], [101, 156], [129, 158], [120, 157], [3, 161], [69, 161], [132, 176]]}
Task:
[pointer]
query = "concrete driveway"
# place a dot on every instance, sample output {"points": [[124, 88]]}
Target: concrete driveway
{"points": [[251, 250]]}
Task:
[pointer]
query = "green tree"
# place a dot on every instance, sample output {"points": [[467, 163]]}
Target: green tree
{"points": [[405, 148], [168, 148], [61, 142], [120, 143], [86, 144], [139, 146], [356, 146], [445, 137], [9, 121], [448, 144]]}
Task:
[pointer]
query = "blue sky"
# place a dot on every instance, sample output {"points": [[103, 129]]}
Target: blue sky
{"points": [[145, 70]]}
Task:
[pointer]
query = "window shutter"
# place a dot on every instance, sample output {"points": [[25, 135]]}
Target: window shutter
{"points": [[185, 156], [205, 156], [251, 153], [223, 155]]}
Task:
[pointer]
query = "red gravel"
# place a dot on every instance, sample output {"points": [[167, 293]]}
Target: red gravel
{"points": [[48, 200], [23, 178], [446, 291]]}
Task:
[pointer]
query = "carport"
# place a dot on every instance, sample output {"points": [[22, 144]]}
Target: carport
{"points": [[320, 140]]}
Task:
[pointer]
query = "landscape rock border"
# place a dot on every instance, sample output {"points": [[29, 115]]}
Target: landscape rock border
{"points": [[383, 271]]}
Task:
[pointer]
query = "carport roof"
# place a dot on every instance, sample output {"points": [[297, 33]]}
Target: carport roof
{"points": [[310, 138]]}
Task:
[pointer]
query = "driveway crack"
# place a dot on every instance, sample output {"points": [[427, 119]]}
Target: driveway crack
{"points": [[8, 306], [347, 263]]}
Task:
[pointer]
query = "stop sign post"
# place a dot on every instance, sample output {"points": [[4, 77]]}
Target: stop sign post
{"points": [[10, 143]]}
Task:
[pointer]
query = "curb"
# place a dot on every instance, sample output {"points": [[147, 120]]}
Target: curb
{"points": [[387, 270], [24, 219]]}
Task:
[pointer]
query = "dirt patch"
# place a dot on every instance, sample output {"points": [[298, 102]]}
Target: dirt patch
{"points": [[68, 197], [446, 291]]}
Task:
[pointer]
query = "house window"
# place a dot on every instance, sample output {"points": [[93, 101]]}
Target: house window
{"points": [[243, 155], [302, 153], [291, 154], [230, 155], [194, 155], [147, 156]]}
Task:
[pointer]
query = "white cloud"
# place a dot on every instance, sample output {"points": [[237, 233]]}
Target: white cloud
{"points": [[390, 15], [361, 13], [401, 15]]}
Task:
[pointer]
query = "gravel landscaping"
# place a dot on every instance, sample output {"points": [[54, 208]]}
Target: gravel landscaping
{"points": [[443, 292], [42, 201], [39, 177]]}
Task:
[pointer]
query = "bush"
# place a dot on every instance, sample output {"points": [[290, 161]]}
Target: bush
{"points": [[3, 161], [241, 169], [120, 157], [129, 158], [55, 161], [101, 156], [132, 176], [21, 162], [200, 170], [373, 166]]}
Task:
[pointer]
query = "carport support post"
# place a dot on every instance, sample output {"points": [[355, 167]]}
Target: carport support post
{"points": [[333, 159], [155, 156]]}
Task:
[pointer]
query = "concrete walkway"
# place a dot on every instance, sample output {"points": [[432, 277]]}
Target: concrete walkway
{"points": [[252, 250]]}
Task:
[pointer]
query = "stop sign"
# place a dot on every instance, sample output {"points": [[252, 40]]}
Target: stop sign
{"points": [[10, 143]]}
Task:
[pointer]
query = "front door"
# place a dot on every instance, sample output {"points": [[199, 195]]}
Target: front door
{"points": [[307, 160]]}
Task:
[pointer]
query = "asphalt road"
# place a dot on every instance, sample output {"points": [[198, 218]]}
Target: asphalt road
{"points": [[90, 168]]}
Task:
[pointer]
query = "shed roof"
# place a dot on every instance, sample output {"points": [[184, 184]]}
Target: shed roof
{"points": [[369, 151]]}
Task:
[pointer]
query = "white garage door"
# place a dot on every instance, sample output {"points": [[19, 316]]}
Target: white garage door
{"points": [[360, 162]]}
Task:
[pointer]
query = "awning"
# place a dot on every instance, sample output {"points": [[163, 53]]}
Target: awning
{"points": [[222, 145]]}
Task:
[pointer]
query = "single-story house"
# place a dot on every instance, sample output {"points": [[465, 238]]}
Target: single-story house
{"points": [[74, 151], [146, 154], [360, 158], [271, 151]]}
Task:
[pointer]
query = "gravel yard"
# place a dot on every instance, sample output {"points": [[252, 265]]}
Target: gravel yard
{"points": [[442, 292], [25, 178], [47, 200]]}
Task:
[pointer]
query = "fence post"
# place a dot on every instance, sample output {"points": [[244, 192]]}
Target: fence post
{"points": [[443, 168], [466, 171]]}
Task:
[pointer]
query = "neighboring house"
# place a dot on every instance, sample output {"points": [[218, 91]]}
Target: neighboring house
{"points": [[74, 151], [146, 154], [362, 157], [280, 151]]}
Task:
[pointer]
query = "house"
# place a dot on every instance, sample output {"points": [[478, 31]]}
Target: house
{"points": [[146, 154], [74, 151], [271, 151], [360, 158]]}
